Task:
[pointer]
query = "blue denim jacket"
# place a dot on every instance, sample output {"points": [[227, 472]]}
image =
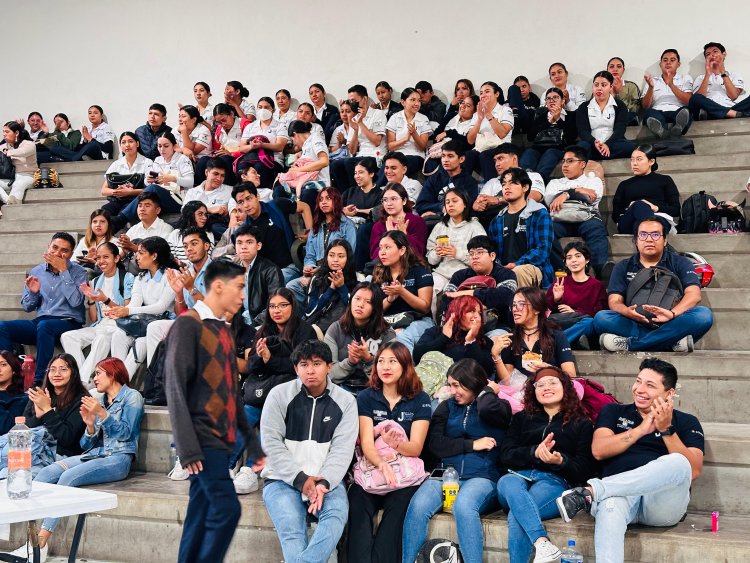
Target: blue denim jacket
{"points": [[120, 429]]}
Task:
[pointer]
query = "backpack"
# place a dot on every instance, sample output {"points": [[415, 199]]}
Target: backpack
{"points": [[653, 286], [408, 470], [432, 369], [7, 168], [694, 213], [594, 397], [726, 218], [153, 385], [265, 157], [46, 178]]}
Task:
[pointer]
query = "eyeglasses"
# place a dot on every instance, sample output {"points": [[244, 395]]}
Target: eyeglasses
{"points": [[643, 235], [519, 305], [572, 160], [549, 382], [552, 99], [278, 306], [391, 199], [58, 370], [477, 253]]}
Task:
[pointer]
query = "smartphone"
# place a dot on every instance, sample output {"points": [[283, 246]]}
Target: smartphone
{"points": [[529, 479], [153, 174], [84, 252], [437, 473]]}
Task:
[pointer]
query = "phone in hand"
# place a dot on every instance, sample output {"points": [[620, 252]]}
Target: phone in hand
{"points": [[153, 174]]}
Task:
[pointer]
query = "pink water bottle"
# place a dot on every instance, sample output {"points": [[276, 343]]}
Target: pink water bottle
{"points": [[28, 371]]}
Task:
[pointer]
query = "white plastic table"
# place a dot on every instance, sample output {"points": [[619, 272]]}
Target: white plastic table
{"points": [[54, 501]]}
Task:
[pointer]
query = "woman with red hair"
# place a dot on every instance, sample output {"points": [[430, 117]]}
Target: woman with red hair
{"points": [[110, 442], [461, 336], [395, 393], [548, 446]]}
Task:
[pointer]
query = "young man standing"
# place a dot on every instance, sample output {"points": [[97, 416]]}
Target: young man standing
{"points": [[150, 225], [522, 232], [148, 134], [623, 328], [651, 453], [451, 175], [716, 90], [262, 277], [308, 427], [394, 168], [52, 289], [206, 413]]}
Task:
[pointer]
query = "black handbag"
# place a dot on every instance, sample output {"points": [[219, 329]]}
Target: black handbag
{"points": [[115, 181], [674, 147], [7, 170], [551, 137], [135, 325]]}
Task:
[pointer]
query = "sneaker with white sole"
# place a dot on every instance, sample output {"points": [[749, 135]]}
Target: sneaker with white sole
{"points": [[573, 501], [546, 552], [246, 481], [613, 343], [684, 344], [13, 200], [26, 553], [178, 473]]}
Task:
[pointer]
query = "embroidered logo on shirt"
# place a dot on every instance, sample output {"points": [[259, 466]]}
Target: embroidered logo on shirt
{"points": [[625, 423]]}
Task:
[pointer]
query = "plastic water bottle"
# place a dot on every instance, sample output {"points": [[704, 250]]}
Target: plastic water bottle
{"points": [[28, 371], [450, 488], [172, 455], [570, 554], [19, 460]]}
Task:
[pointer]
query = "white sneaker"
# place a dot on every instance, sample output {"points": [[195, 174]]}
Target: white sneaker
{"points": [[178, 473], [546, 552], [27, 551], [13, 200], [246, 481], [684, 344], [613, 343]]}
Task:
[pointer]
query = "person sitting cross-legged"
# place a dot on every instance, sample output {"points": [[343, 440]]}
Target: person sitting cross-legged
{"points": [[652, 328], [651, 454]]}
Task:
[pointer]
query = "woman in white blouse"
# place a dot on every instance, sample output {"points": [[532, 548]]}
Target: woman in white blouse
{"points": [[408, 132], [130, 162], [491, 126], [22, 152], [151, 295], [573, 96], [193, 135], [284, 113], [266, 125]]}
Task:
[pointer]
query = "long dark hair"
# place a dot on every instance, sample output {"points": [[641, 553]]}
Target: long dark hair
{"points": [[570, 407], [382, 274], [269, 328], [409, 385], [187, 215], [89, 236], [537, 300], [338, 207], [160, 247], [16, 379], [463, 196], [320, 281], [194, 113], [23, 135], [73, 390], [376, 325], [469, 374]]}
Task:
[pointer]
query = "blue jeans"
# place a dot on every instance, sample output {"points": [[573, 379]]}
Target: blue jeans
{"points": [[74, 472], [527, 505], [593, 232], [655, 494], [543, 162], [581, 328], [411, 334], [696, 322], [621, 148], [168, 204], [632, 217], [476, 496], [93, 149], [253, 419], [41, 331], [212, 514], [666, 117], [298, 290], [289, 515], [715, 111]]}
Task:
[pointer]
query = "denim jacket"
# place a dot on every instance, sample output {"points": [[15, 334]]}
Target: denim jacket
{"points": [[120, 430], [315, 250], [127, 289]]}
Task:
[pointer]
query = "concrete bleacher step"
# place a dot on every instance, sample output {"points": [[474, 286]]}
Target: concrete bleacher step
{"points": [[686, 163], [82, 194], [42, 223], [82, 167], [714, 128], [62, 210], [151, 508]]}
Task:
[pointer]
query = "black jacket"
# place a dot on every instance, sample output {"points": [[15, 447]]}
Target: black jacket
{"points": [[497, 299], [572, 440], [263, 279], [330, 120], [568, 125], [66, 425], [584, 126], [280, 362]]}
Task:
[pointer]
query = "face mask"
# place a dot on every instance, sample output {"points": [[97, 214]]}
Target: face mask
{"points": [[263, 114]]}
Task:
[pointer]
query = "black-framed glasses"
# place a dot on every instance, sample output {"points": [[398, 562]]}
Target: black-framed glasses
{"points": [[572, 160], [643, 235]]}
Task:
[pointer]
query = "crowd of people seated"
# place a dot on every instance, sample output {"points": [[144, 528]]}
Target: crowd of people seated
{"points": [[377, 238]]}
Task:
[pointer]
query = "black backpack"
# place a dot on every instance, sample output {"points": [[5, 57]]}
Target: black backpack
{"points": [[726, 218], [653, 286], [7, 169], [153, 386], [694, 213]]}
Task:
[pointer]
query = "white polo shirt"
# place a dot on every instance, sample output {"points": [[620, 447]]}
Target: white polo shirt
{"points": [[102, 133], [311, 148], [397, 125], [158, 228], [208, 113], [202, 135], [576, 96], [494, 188], [664, 99], [120, 166], [602, 121], [232, 137], [503, 114], [716, 90], [461, 127], [590, 181], [179, 165], [375, 120], [285, 119], [219, 196], [412, 187], [273, 132]]}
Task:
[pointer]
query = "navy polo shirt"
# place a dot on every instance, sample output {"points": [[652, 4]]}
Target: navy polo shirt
{"points": [[373, 404], [621, 418], [625, 270], [563, 353]]}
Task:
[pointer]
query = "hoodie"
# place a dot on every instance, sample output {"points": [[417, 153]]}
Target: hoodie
{"points": [[458, 235]]}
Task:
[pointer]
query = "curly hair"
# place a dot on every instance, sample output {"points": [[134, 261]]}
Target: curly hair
{"points": [[458, 307], [570, 406], [409, 385]]}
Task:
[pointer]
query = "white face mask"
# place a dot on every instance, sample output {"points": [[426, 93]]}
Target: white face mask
{"points": [[263, 114]]}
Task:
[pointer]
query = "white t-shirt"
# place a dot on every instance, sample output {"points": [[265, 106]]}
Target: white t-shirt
{"points": [[576, 96], [202, 135], [311, 148], [664, 99], [219, 196], [273, 132], [716, 90], [108, 289], [494, 188], [397, 125], [602, 121], [179, 165], [375, 121], [81, 246], [558, 185], [345, 130], [503, 114], [120, 166]]}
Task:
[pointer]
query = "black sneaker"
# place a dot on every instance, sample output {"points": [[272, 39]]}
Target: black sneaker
{"points": [[573, 501]]}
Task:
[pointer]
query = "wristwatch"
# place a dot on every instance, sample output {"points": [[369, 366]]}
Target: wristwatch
{"points": [[724, 74], [668, 432]]}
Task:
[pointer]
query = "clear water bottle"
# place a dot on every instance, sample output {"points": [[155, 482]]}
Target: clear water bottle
{"points": [[450, 488], [19, 460], [172, 455], [570, 554]]}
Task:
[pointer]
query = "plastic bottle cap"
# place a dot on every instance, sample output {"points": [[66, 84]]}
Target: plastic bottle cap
{"points": [[571, 543], [20, 420]]}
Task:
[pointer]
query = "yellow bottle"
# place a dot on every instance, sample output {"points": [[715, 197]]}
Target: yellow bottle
{"points": [[450, 488]]}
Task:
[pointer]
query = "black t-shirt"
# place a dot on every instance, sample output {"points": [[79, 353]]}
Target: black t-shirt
{"points": [[563, 353], [356, 196], [621, 418], [371, 403], [274, 246], [415, 279], [514, 242]]}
